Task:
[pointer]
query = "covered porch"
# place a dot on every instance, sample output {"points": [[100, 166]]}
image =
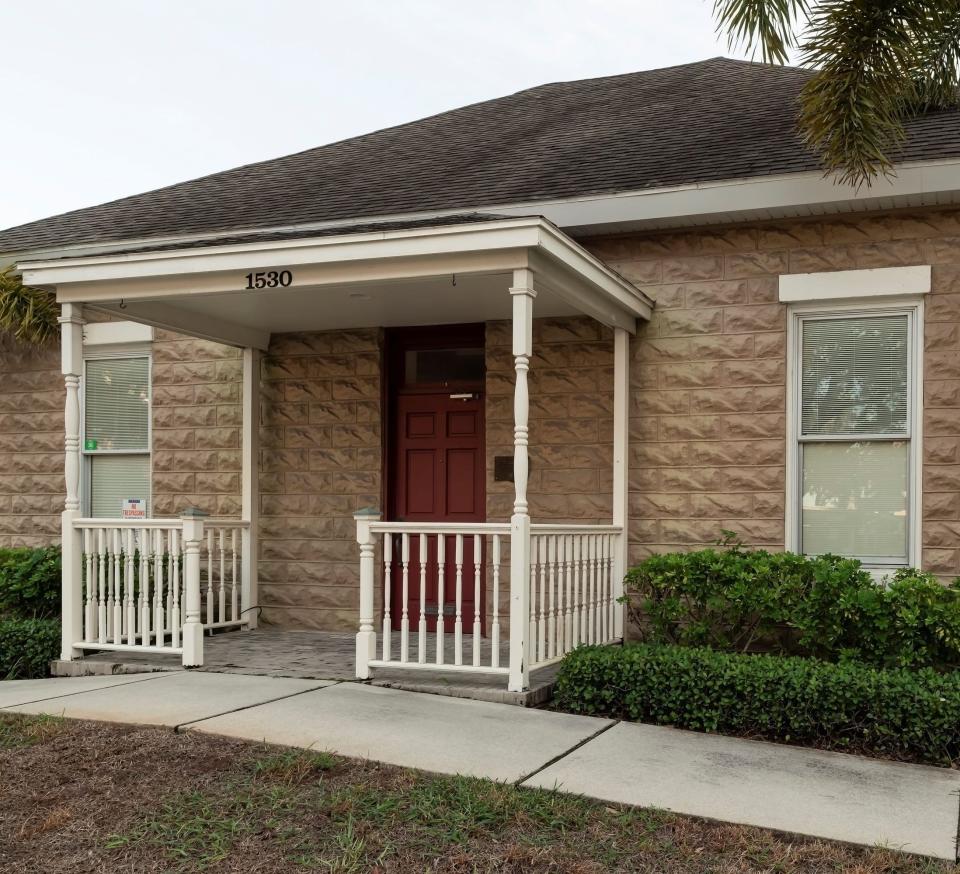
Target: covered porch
{"points": [[493, 598]]}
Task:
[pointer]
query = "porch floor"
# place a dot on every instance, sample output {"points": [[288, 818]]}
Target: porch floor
{"points": [[314, 655]]}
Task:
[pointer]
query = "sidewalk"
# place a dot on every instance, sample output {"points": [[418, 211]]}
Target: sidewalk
{"points": [[827, 795]]}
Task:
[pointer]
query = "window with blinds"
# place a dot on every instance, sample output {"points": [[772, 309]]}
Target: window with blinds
{"points": [[854, 433], [117, 432]]}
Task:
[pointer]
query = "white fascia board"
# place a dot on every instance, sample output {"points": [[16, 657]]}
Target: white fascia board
{"points": [[735, 199], [370, 256], [380, 245], [590, 269], [853, 284]]}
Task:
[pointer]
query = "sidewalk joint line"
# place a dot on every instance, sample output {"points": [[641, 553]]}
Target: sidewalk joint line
{"points": [[179, 726], [566, 753], [153, 675]]}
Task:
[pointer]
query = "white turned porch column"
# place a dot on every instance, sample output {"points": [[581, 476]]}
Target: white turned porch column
{"points": [[193, 625], [71, 580], [366, 636], [621, 443], [523, 294], [250, 486]]}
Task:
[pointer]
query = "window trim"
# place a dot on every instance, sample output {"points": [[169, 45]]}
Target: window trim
{"points": [[101, 353], [911, 306]]}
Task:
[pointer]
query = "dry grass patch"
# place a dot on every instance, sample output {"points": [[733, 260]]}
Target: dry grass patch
{"points": [[99, 798]]}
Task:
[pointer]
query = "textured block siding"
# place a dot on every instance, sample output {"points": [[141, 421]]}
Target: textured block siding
{"points": [[320, 458], [571, 427], [196, 426], [31, 444], [708, 398], [571, 420]]}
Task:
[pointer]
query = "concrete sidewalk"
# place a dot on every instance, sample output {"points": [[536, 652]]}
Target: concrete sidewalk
{"points": [[827, 795]]}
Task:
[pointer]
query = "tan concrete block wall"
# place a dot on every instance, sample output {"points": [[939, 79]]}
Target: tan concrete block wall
{"points": [[321, 449], [708, 399], [196, 426], [31, 444], [571, 420]]}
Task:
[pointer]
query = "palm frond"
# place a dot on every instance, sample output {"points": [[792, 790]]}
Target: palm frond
{"points": [[29, 314], [867, 55], [767, 25]]}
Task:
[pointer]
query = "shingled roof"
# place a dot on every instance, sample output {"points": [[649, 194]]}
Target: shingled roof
{"points": [[712, 120]]}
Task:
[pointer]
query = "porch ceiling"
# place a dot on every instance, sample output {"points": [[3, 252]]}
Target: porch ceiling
{"points": [[421, 276]]}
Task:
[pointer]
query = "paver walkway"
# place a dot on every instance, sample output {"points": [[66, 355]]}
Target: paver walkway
{"points": [[827, 795]]}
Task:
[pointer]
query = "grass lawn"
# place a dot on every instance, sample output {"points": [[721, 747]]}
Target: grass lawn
{"points": [[89, 797]]}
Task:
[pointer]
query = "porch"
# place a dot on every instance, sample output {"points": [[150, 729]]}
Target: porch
{"points": [[310, 655], [455, 595]]}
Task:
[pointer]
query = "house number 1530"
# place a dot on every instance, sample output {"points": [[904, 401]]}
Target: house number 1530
{"points": [[269, 279]]}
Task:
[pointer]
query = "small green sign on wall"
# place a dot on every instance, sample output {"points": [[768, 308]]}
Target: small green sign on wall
{"points": [[89, 443]]}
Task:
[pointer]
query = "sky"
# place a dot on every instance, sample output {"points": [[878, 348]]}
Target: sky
{"points": [[106, 98]]}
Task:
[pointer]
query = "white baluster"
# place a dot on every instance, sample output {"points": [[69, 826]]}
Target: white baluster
{"points": [[222, 594], [387, 586], [102, 590], [234, 592], [116, 589], [422, 635], [476, 600], [534, 568], [495, 627], [129, 606], [90, 612], [145, 541], [405, 594], [593, 588], [561, 583], [551, 590], [173, 581], [158, 602], [458, 602], [569, 612], [209, 576], [168, 622], [542, 613], [441, 595], [612, 548]]}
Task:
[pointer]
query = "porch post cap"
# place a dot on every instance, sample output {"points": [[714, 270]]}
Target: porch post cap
{"points": [[366, 513], [194, 513]]}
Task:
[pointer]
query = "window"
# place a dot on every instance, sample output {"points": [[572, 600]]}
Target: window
{"points": [[116, 431], [854, 416]]}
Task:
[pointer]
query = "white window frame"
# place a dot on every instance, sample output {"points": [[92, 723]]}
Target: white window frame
{"points": [[100, 353], [912, 307]]}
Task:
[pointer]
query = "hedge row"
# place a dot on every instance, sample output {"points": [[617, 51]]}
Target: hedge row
{"points": [[826, 607], [908, 714], [27, 647]]}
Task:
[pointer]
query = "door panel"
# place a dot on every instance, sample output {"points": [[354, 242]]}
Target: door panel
{"points": [[438, 470]]}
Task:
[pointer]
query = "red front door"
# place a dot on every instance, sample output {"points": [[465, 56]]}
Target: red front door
{"points": [[438, 460]]}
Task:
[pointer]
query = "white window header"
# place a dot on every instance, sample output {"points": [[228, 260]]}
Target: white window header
{"points": [[846, 284], [111, 333]]}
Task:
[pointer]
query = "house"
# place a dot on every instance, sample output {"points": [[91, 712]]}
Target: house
{"points": [[441, 384]]}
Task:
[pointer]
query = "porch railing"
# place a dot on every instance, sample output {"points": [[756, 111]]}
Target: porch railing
{"points": [[155, 585], [440, 589], [575, 583]]}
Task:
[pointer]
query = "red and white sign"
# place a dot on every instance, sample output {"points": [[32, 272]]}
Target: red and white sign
{"points": [[133, 508]]}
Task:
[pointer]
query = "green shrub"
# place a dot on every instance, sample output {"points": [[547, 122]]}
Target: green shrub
{"points": [[30, 582], [27, 646], [749, 600], [907, 714]]}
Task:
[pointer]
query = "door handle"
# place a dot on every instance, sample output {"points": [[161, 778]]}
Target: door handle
{"points": [[464, 396]]}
